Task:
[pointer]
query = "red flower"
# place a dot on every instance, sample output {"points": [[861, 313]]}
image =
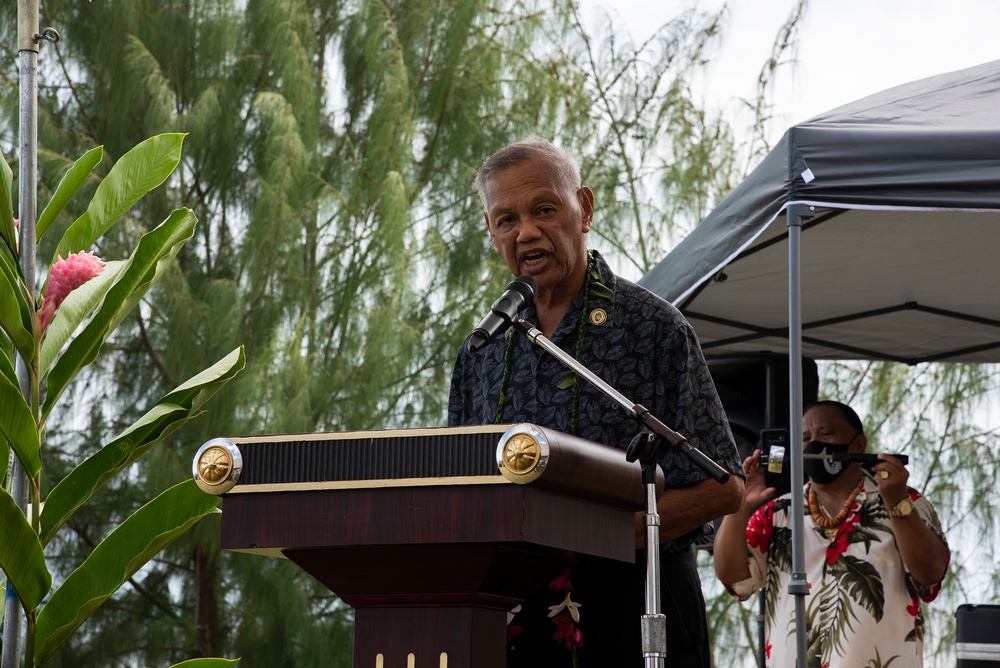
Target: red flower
{"points": [[565, 615], [566, 631], [561, 583], [914, 607], [760, 528]]}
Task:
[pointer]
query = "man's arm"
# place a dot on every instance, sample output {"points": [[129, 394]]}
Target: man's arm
{"points": [[730, 553], [926, 556], [685, 509]]}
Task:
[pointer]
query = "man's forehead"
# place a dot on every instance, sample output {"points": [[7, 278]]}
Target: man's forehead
{"points": [[826, 416]]}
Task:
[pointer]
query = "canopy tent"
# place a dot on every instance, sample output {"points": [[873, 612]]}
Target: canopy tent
{"points": [[868, 232], [899, 260]]}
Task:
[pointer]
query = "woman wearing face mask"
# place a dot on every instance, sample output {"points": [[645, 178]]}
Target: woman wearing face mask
{"points": [[873, 551]]}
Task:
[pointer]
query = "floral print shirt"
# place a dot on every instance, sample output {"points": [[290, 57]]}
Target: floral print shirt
{"points": [[863, 608]]}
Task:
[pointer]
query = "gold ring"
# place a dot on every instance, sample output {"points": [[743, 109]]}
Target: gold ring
{"points": [[885, 475]]}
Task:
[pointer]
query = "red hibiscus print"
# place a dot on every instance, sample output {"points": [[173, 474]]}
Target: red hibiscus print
{"points": [[839, 544], [760, 528]]}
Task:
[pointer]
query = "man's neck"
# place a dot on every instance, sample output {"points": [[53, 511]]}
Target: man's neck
{"points": [[842, 487], [550, 315], [551, 305]]}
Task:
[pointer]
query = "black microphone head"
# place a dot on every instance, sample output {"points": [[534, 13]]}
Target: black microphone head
{"points": [[526, 285], [518, 294]]}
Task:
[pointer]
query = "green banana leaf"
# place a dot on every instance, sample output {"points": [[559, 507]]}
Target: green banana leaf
{"points": [[8, 372], [17, 317], [174, 410], [156, 249], [7, 364], [77, 306], [4, 460], [117, 558], [6, 205], [21, 554], [140, 170], [68, 185], [206, 663], [18, 426]]}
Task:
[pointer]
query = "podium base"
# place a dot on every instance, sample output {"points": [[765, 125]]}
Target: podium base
{"points": [[432, 637]]}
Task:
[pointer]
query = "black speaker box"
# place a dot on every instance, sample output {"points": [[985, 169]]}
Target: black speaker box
{"points": [[977, 635], [754, 392]]}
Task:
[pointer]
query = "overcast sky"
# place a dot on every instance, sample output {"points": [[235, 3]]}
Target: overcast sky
{"points": [[847, 49]]}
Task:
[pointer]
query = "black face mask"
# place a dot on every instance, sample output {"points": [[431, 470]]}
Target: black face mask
{"points": [[824, 471]]}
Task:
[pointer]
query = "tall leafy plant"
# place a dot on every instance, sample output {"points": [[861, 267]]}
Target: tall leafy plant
{"points": [[83, 300]]}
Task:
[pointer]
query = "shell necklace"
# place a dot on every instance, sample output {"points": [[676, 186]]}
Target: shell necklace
{"points": [[830, 525]]}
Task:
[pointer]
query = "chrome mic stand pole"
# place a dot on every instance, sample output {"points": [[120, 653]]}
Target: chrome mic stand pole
{"points": [[654, 622]]}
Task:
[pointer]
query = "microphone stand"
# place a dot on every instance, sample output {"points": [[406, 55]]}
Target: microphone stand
{"points": [[645, 447]]}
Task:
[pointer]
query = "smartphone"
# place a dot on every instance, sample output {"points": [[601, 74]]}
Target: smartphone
{"points": [[774, 457]]}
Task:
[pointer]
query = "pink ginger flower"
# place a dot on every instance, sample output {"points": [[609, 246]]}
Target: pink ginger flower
{"points": [[67, 275]]}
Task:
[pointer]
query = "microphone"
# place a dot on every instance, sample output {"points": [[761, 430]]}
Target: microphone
{"points": [[519, 293]]}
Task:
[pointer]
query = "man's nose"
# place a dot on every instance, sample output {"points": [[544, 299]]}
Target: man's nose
{"points": [[528, 229]]}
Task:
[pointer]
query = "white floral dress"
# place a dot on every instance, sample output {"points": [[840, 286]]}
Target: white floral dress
{"points": [[863, 608]]}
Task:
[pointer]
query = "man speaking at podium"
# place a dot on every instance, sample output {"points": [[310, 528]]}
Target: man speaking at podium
{"points": [[537, 215]]}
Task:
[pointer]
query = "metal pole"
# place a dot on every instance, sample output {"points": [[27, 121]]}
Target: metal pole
{"points": [[798, 585], [27, 39], [654, 622], [761, 629]]}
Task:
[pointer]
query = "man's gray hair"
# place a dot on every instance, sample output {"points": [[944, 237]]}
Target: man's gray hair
{"points": [[517, 153]]}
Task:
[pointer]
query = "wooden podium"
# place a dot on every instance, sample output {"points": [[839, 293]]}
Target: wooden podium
{"points": [[426, 533]]}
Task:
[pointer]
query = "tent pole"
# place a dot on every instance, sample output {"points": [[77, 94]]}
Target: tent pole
{"points": [[797, 586]]}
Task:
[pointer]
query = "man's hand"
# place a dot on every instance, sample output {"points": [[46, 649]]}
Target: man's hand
{"points": [[756, 491]]}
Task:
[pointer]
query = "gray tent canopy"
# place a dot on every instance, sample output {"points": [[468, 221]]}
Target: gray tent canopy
{"points": [[900, 257]]}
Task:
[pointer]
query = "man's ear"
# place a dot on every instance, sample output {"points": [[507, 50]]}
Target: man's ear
{"points": [[586, 198], [861, 443], [489, 231]]}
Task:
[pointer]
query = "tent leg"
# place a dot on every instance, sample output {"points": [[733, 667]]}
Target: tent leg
{"points": [[797, 586]]}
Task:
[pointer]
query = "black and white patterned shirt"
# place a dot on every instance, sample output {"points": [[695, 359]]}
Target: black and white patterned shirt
{"points": [[643, 347]]}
